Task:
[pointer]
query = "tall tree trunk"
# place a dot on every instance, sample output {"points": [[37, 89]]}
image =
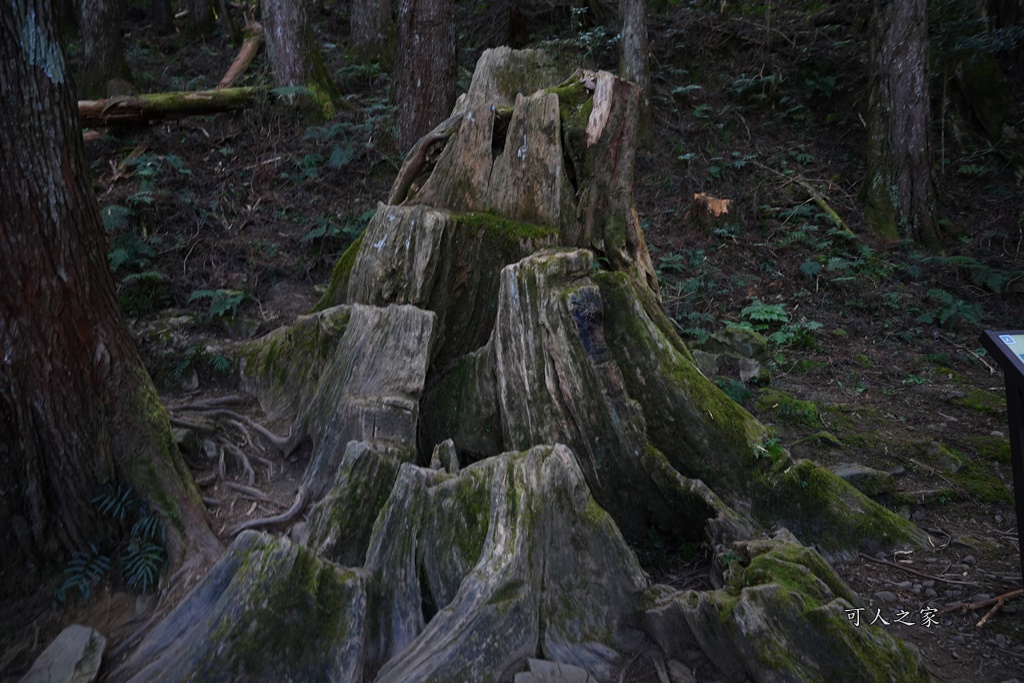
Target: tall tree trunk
{"points": [[899, 193], [426, 66], [200, 17], [102, 48], [373, 30], [163, 16], [634, 63], [294, 54], [76, 405]]}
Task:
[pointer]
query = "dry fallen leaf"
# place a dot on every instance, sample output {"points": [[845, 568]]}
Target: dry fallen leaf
{"points": [[710, 206]]}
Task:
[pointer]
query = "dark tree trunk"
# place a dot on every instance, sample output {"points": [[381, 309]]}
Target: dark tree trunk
{"points": [[899, 193], [373, 30], [634, 57], [1007, 14], [102, 48], [426, 66], [77, 408], [163, 16], [200, 17], [293, 51]]}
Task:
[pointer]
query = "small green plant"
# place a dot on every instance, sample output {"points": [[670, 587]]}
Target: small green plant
{"points": [[949, 312], [759, 314], [222, 301], [195, 355], [131, 540]]}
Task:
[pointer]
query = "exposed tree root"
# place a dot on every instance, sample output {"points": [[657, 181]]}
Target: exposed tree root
{"points": [[284, 518], [229, 434]]}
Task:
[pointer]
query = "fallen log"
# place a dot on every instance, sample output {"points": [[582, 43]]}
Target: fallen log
{"points": [[169, 105]]}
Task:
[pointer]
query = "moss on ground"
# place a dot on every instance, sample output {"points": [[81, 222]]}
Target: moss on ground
{"points": [[984, 402], [786, 409]]}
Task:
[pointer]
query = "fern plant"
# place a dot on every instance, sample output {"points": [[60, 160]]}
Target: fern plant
{"points": [[222, 301], [132, 542]]}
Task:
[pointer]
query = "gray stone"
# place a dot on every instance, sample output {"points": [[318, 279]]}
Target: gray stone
{"points": [[867, 480], [73, 657]]}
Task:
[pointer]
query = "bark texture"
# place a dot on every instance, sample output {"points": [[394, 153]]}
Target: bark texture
{"points": [[426, 66], [76, 406], [373, 30], [635, 57], [200, 17], [294, 53], [899, 192], [102, 47], [163, 16]]}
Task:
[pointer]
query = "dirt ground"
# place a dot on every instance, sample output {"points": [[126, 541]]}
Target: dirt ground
{"points": [[222, 228]]}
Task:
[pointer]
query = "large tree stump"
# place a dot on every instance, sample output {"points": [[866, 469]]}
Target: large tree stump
{"points": [[497, 402]]}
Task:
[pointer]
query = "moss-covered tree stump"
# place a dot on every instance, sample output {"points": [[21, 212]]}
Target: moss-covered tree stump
{"points": [[496, 403]]}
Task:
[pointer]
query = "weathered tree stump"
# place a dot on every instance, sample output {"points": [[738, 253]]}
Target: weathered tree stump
{"points": [[496, 401]]}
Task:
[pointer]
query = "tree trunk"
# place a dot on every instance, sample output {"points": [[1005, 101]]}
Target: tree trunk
{"points": [[77, 408], [899, 193], [163, 16], [294, 54], [102, 48], [426, 66], [373, 30], [634, 64], [200, 17]]}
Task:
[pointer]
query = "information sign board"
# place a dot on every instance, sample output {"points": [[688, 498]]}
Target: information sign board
{"points": [[1007, 348]]}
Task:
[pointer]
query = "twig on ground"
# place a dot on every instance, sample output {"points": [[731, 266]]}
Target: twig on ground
{"points": [[991, 370], [915, 572], [996, 603]]}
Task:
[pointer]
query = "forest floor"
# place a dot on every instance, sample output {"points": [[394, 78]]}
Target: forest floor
{"points": [[225, 227]]}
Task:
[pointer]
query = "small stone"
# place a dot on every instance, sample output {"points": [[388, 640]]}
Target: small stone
{"points": [[73, 656], [981, 597], [929, 583], [930, 593], [904, 584], [886, 596], [969, 560], [958, 640], [999, 519], [919, 515]]}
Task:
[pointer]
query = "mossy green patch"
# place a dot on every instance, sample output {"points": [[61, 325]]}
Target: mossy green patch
{"points": [[981, 483], [984, 402], [512, 231], [820, 507], [786, 409], [991, 448], [337, 289]]}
